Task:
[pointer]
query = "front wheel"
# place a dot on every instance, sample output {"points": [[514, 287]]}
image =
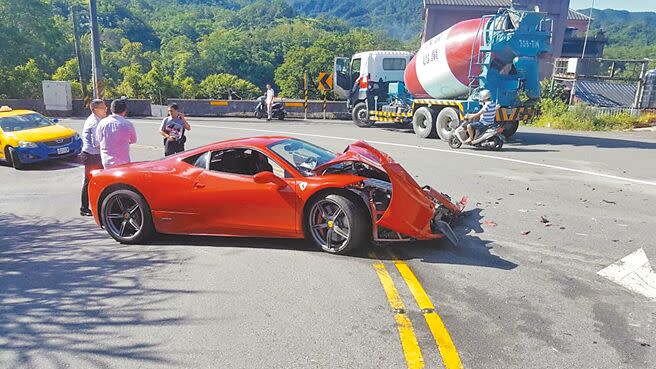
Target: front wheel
{"points": [[454, 142], [13, 159], [361, 115], [337, 224], [259, 114], [126, 217]]}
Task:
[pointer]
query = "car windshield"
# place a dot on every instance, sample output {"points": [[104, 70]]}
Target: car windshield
{"points": [[302, 155], [23, 122]]}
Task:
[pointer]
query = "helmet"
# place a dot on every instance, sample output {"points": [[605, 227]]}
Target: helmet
{"points": [[485, 95]]}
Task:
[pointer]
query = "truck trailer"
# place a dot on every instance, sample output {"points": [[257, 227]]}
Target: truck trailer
{"points": [[435, 87]]}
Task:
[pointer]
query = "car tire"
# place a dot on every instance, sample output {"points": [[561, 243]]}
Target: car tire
{"points": [[447, 120], [13, 159], [338, 218], [509, 129], [423, 122], [360, 115], [135, 229]]}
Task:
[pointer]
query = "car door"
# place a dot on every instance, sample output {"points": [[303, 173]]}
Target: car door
{"points": [[231, 202]]}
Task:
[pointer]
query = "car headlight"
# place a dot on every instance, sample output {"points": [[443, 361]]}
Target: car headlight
{"points": [[27, 145]]}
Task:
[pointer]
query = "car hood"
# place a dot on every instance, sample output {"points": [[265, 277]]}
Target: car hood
{"points": [[42, 134], [412, 207]]}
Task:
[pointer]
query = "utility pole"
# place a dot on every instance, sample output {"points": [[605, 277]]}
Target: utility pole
{"points": [[96, 63], [585, 42], [78, 54]]}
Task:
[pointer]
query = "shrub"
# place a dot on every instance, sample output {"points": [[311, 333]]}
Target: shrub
{"points": [[554, 113]]}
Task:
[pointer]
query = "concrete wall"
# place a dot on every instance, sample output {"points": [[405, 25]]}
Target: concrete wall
{"points": [[246, 108], [136, 108]]}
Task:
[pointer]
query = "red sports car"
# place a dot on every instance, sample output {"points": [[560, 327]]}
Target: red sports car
{"points": [[271, 187]]}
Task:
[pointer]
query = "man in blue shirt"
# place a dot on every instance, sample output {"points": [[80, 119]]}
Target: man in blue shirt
{"points": [[90, 155], [484, 118]]}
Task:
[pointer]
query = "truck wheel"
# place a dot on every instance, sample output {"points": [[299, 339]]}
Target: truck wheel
{"points": [[423, 122], [447, 121], [509, 129], [361, 115]]}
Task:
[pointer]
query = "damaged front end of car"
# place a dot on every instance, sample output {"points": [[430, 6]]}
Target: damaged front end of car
{"points": [[400, 209]]}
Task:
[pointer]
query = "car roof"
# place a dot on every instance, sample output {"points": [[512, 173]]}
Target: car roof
{"points": [[15, 112], [260, 142]]}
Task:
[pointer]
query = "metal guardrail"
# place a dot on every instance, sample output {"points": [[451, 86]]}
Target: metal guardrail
{"points": [[602, 111]]}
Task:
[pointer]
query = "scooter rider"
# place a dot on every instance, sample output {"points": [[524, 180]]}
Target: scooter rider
{"points": [[484, 118]]}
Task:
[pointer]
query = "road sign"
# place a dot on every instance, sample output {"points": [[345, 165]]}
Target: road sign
{"points": [[325, 81]]}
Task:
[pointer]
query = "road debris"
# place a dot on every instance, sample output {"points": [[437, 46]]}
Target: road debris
{"points": [[544, 219], [525, 233], [609, 202], [489, 223]]}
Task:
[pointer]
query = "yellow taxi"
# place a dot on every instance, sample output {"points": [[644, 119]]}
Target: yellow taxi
{"points": [[28, 137]]}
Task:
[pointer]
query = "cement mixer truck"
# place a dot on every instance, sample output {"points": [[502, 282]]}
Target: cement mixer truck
{"points": [[434, 88]]}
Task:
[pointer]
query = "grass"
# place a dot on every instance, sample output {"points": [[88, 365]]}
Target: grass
{"points": [[556, 114]]}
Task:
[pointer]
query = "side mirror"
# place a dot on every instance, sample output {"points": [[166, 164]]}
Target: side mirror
{"points": [[268, 177]]}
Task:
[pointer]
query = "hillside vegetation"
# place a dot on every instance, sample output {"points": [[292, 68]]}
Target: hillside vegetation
{"points": [[184, 48], [203, 48]]}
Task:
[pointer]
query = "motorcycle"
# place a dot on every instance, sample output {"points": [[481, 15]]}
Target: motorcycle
{"points": [[277, 110], [492, 138]]}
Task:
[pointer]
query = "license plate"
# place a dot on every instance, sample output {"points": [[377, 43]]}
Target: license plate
{"points": [[63, 150]]}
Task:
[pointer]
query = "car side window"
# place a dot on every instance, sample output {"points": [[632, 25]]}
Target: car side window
{"points": [[198, 160], [243, 161]]}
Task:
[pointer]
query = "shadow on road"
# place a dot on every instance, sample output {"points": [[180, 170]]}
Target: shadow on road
{"points": [[471, 249], [235, 242], [66, 300], [537, 138], [46, 165]]}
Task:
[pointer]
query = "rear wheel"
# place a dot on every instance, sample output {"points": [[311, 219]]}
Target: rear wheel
{"points": [[423, 122], [361, 115], [12, 158], [509, 129], [498, 143], [126, 217], [447, 121], [337, 224]]}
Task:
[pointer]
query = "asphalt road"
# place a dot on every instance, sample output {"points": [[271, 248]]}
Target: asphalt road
{"points": [[515, 293]]}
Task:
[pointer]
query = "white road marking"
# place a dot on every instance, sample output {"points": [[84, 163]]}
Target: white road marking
{"points": [[634, 273], [457, 152]]}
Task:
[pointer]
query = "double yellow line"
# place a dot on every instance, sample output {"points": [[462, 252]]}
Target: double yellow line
{"points": [[409, 342]]}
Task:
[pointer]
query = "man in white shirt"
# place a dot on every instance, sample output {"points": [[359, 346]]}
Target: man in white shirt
{"points": [[269, 100], [115, 134], [90, 155]]}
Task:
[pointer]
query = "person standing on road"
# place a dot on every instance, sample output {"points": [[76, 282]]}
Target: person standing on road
{"points": [[90, 155], [115, 134], [269, 101], [173, 130]]}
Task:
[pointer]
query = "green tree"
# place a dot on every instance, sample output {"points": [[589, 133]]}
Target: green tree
{"points": [[25, 81], [218, 86], [157, 86]]}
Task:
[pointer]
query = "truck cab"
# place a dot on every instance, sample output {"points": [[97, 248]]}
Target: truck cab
{"points": [[364, 79]]}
